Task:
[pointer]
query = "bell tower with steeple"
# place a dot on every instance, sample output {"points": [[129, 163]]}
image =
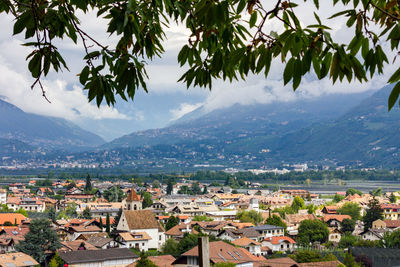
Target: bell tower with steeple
{"points": [[132, 201]]}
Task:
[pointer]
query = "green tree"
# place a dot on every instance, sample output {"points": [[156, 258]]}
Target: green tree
{"points": [[276, 220], [249, 216], [86, 213], [205, 190], [147, 200], [347, 240], [348, 225], [155, 184], [311, 208], [298, 204], [337, 198], [352, 209], [392, 198], [230, 45], [311, 231], [308, 256], [22, 211], [70, 211], [377, 192], [373, 213], [185, 190], [101, 226], [51, 214], [391, 240], [88, 185], [144, 261], [202, 218], [170, 187], [56, 261], [352, 191], [113, 194], [171, 222], [116, 219], [188, 241], [195, 188], [224, 264], [108, 225], [349, 260], [171, 247], [40, 240]]}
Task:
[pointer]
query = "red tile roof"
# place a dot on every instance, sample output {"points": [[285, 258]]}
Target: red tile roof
{"points": [[276, 240]]}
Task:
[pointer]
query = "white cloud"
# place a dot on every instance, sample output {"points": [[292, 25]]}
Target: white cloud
{"points": [[65, 103], [184, 109]]}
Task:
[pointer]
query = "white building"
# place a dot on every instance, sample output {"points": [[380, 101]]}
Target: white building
{"points": [[134, 221]]}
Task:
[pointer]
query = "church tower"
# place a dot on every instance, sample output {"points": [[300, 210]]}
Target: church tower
{"points": [[132, 201]]}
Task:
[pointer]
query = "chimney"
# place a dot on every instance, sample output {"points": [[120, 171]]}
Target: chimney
{"points": [[204, 252]]}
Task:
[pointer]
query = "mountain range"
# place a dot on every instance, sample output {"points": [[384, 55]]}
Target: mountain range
{"points": [[21, 131], [343, 129]]}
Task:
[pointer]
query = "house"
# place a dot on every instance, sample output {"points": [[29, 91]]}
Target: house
{"points": [[3, 196], [378, 224], [335, 220], [76, 245], [219, 252], [334, 234], [102, 242], [44, 191], [137, 240], [116, 257], [164, 218], [17, 259], [279, 243], [252, 246], [228, 235], [373, 234], [28, 204], [178, 231], [267, 230], [9, 219], [293, 221], [142, 221], [79, 197], [75, 231], [391, 211], [329, 210], [11, 236]]}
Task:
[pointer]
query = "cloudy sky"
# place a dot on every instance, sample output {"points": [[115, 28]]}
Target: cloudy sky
{"points": [[167, 100]]}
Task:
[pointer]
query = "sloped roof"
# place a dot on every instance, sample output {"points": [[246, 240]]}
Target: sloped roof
{"points": [[223, 252], [320, 264], [99, 241], [75, 245], [86, 256], [134, 236], [338, 217], [17, 259], [279, 262], [245, 241], [11, 217], [275, 240], [392, 223], [132, 196], [141, 219]]}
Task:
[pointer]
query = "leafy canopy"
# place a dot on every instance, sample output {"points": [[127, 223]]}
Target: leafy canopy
{"points": [[227, 40]]}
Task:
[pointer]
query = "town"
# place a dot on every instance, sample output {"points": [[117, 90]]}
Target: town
{"points": [[89, 222]]}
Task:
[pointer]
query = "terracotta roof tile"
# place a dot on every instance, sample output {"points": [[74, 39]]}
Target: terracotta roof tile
{"points": [[245, 241], [275, 240], [12, 218], [141, 219]]}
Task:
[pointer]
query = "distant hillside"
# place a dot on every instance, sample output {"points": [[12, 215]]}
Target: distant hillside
{"points": [[367, 135], [243, 122], [44, 132]]}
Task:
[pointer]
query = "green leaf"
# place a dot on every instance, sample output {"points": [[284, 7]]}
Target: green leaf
{"points": [[288, 72], [253, 19], [83, 77], [394, 95], [241, 6]]}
